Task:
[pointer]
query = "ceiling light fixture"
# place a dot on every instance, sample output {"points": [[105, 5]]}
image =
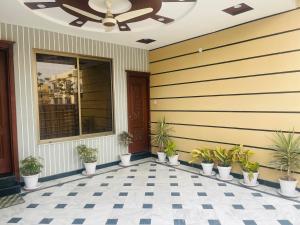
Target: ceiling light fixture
{"points": [[237, 6], [41, 6]]}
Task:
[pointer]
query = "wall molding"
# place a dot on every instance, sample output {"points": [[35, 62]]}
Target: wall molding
{"points": [[224, 111], [227, 78], [233, 128], [229, 95]]}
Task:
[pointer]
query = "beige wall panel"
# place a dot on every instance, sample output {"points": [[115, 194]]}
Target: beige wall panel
{"points": [[245, 137], [258, 28], [270, 64], [270, 121], [280, 43], [283, 64], [189, 145], [282, 102], [246, 85]]}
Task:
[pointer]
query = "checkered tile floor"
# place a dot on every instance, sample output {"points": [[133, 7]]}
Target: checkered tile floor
{"points": [[150, 193]]}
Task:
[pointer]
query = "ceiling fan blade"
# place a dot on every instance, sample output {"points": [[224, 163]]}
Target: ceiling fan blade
{"points": [[82, 12], [133, 14]]}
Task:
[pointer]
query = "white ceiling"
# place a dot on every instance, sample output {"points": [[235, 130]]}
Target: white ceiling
{"points": [[207, 16]]}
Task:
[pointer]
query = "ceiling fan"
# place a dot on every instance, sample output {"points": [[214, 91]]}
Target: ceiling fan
{"points": [[110, 21]]}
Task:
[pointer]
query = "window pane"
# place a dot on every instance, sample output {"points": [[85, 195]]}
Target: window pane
{"points": [[57, 83], [95, 96]]}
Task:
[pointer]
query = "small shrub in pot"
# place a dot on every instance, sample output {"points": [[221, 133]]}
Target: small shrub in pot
{"points": [[125, 140], [89, 158], [161, 138], [287, 160], [206, 156], [249, 169], [171, 153], [225, 158], [30, 169]]}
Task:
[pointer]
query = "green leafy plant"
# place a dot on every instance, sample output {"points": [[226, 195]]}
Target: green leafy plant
{"points": [[225, 157], [161, 134], [245, 163], [88, 155], [170, 149], [206, 155], [125, 138], [31, 166], [287, 155]]}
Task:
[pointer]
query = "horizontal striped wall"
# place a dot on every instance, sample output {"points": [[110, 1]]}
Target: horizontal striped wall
{"points": [[61, 157], [243, 87]]}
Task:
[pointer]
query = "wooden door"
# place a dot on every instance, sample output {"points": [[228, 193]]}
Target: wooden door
{"points": [[138, 110], [5, 156]]}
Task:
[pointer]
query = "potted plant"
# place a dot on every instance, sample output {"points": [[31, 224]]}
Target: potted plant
{"points": [[89, 158], [207, 159], [30, 169], [172, 153], [287, 159], [125, 140], [225, 158], [249, 169], [161, 138]]}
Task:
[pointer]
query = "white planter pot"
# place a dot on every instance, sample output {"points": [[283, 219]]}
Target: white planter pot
{"points": [[161, 157], [207, 168], [125, 159], [90, 168], [248, 181], [31, 182], [224, 172], [288, 188], [173, 160]]}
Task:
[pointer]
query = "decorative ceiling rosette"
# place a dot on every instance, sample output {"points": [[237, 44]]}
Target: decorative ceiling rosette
{"points": [[111, 15]]}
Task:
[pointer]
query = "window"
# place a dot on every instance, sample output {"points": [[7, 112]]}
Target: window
{"points": [[74, 96]]}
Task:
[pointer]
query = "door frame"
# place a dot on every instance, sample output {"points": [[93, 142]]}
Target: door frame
{"points": [[7, 46], [132, 73]]}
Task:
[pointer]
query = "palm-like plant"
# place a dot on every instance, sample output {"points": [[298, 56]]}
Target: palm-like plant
{"points": [[287, 155], [161, 135]]}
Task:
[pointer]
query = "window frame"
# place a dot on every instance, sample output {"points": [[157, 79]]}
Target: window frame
{"points": [[36, 102]]}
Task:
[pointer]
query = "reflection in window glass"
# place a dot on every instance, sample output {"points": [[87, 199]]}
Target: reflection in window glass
{"points": [[95, 96], [57, 96]]}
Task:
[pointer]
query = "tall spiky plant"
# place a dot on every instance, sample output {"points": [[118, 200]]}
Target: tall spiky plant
{"points": [[287, 155], [161, 134]]}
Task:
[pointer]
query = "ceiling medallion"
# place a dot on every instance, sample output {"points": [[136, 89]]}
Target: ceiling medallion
{"points": [[111, 15]]}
